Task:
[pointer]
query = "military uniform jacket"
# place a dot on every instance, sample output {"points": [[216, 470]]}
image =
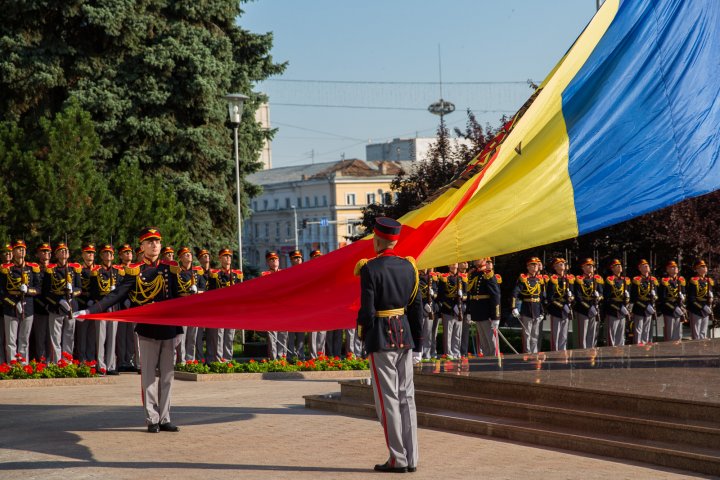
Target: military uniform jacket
{"points": [[224, 278], [698, 290], [11, 277], [145, 283], [529, 290], [484, 295], [104, 280], [669, 294], [187, 278], [389, 282], [55, 279], [427, 282], [556, 293], [640, 293], [585, 288], [86, 275], [40, 306], [615, 296], [448, 293]]}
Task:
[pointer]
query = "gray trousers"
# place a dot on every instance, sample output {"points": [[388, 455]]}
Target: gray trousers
{"points": [[465, 336], [296, 345], [586, 330], [62, 335], [615, 330], [191, 342], [530, 333], [17, 337], [452, 333], [40, 329], [180, 348], [317, 344], [127, 349], [106, 333], [558, 333], [643, 325], [428, 338], [157, 354], [394, 392], [333, 343], [673, 328], [213, 344], [85, 339], [487, 338], [698, 326], [228, 342], [277, 344], [353, 344]]}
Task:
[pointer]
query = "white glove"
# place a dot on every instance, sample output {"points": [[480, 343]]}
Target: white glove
{"points": [[516, 313], [19, 308], [624, 311], [596, 294], [678, 312], [682, 296], [432, 292], [541, 317], [112, 287], [65, 306], [69, 287], [428, 308], [627, 295], [710, 296], [23, 288], [416, 357], [127, 303], [653, 294], [494, 324], [460, 292], [78, 313], [707, 310], [570, 296], [193, 288], [649, 310], [456, 310]]}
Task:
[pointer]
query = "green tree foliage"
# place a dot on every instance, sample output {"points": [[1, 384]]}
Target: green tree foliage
{"points": [[152, 74]]}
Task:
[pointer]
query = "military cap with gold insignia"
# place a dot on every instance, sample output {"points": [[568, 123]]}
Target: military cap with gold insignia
{"points": [[296, 254], [60, 246], [182, 251], [225, 251], [700, 263], [587, 261], [44, 247], [125, 247], [671, 263], [315, 253], [107, 248], [533, 260], [149, 233], [270, 255], [88, 248], [18, 243], [614, 262]]}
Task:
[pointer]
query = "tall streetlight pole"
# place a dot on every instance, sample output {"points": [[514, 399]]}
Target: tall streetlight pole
{"points": [[235, 108], [296, 229]]}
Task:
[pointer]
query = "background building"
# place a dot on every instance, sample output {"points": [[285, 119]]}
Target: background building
{"points": [[404, 149]]}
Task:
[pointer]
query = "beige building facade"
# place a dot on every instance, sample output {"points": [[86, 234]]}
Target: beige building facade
{"points": [[324, 200]]}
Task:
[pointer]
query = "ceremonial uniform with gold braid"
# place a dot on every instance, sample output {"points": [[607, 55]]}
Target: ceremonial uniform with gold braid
{"points": [[85, 332], [452, 292], [559, 307], [428, 291], [671, 296], [642, 296], [483, 305], [18, 307], [529, 289], [61, 323], [221, 347], [186, 279], [588, 296], [104, 280], [617, 299], [699, 304]]}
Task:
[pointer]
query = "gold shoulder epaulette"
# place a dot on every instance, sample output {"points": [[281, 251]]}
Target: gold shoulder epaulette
{"points": [[199, 270], [411, 260], [133, 269], [712, 282], [499, 278], [3, 270], [175, 269], [682, 281], [34, 266], [359, 265], [93, 273]]}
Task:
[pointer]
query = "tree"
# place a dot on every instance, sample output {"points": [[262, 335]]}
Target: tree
{"points": [[152, 74]]}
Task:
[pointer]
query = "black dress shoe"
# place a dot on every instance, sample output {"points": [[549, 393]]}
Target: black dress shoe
{"points": [[113, 372], [154, 428], [412, 469], [386, 468], [168, 427]]}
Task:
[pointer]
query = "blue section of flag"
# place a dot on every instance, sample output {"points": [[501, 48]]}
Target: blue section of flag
{"points": [[643, 113]]}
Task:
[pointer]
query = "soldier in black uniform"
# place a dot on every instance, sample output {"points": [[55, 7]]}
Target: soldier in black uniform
{"points": [[203, 256], [61, 287], [167, 253], [277, 341], [588, 295], [296, 340], [318, 339], [103, 280], [127, 348], [617, 299], [85, 332], [643, 294], [428, 293], [19, 283], [559, 298], [7, 254], [390, 323], [452, 294], [221, 278], [529, 290], [191, 281], [700, 298], [672, 301], [153, 280], [40, 320], [484, 305]]}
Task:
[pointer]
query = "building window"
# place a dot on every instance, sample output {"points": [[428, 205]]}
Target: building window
{"points": [[299, 202], [350, 229], [255, 205], [267, 230], [277, 203], [265, 204], [350, 198], [388, 198], [289, 230], [324, 200], [370, 198], [277, 230], [316, 201], [257, 230], [307, 202], [287, 203]]}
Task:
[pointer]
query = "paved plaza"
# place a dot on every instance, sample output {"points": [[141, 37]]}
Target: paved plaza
{"points": [[248, 429]]}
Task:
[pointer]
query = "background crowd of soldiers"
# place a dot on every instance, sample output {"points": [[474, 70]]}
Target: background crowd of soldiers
{"points": [[39, 299]]}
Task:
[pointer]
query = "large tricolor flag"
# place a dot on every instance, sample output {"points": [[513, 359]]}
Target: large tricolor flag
{"points": [[627, 122]]}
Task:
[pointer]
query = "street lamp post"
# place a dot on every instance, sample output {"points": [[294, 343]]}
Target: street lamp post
{"points": [[296, 229], [235, 108]]}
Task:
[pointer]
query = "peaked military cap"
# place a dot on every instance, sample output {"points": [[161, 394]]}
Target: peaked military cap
{"points": [[296, 254], [387, 228], [270, 255], [315, 253], [225, 251], [149, 233], [19, 243]]}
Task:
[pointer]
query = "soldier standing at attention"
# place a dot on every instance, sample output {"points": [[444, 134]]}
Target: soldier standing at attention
{"points": [[40, 320], [428, 294], [126, 342], [19, 283], [390, 322], [277, 341], [7, 254], [221, 348], [61, 286], [151, 281], [464, 272], [318, 339], [103, 280], [617, 298], [85, 331], [452, 291], [700, 300], [204, 258], [559, 298], [296, 340], [529, 290], [672, 301], [588, 295], [643, 294], [167, 254], [484, 305], [191, 281]]}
